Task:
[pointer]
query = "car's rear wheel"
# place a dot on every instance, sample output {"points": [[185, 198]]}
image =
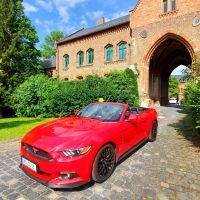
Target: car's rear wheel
{"points": [[153, 133], [104, 163]]}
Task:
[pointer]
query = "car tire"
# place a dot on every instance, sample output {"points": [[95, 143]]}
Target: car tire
{"points": [[153, 133], [104, 163]]}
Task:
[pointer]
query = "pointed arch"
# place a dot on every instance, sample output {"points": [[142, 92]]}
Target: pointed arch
{"points": [[190, 46]]}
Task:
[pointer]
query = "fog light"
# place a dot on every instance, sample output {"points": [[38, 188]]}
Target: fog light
{"points": [[68, 175]]}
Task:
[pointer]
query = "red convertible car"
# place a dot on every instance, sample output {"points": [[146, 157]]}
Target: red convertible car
{"points": [[71, 151]]}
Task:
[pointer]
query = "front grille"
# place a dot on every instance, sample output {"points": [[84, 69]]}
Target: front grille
{"points": [[34, 151]]}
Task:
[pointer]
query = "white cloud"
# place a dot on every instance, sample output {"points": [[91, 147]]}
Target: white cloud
{"points": [[47, 25], [46, 5], [95, 14], [29, 8], [116, 15], [83, 22], [38, 21], [67, 29], [119, 14], [63, 7]]}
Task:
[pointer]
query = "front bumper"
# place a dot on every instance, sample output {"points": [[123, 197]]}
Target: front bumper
{"points": [[51, 185], [49, 172]]}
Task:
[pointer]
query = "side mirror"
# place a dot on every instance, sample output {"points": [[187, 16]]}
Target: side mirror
{"points": [[132, 118]]}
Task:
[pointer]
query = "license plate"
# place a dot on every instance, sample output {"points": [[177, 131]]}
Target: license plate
{"points": [[29, 164]]}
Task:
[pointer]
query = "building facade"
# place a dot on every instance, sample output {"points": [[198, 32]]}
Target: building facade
{"points": [[153, 40]]}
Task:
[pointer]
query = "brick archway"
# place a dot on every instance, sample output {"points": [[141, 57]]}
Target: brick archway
{"points": [[165, 55]]}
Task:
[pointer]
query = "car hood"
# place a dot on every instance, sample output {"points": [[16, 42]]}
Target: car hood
{"points": [[65, 133]]}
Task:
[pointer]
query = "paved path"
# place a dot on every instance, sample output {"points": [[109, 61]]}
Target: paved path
{"points": [[168, 169]]}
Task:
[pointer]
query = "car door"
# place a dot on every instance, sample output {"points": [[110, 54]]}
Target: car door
{"points": [[132, 133]]}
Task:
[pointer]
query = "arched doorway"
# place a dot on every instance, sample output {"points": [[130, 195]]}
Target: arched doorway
{"points": [[168, 53]]}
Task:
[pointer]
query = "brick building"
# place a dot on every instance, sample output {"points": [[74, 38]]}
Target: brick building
{"points": [[181, 86], [153, 40]]}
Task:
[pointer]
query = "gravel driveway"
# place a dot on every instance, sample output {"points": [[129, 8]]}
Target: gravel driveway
{"points": [[166, 169]]}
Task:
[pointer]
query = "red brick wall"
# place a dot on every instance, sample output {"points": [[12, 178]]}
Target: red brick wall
{"points": [[150, 11], [97, 42], [147, 16]]}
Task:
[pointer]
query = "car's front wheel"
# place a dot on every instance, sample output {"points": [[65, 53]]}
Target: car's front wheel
{"points": [[104, 163], [154, 130]]}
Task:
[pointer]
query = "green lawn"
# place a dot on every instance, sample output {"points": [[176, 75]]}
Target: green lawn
{"points": [[12, 128]]}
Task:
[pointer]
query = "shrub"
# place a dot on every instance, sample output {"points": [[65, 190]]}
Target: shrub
{"points": [[31, 99], [44, 97], [192, 102]]}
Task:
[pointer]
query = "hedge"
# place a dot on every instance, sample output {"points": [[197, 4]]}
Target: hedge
{"points": [[192, 103], [40, 96]]}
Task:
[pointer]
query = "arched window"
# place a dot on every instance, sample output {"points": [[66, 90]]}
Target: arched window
{"points": [[80, 58], [66, 61], [90, 56], [122, 51], [173, 5], [165, 5], [109, 53]]}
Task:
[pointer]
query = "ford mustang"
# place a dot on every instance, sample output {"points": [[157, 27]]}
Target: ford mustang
{"points": [[72, 151]]}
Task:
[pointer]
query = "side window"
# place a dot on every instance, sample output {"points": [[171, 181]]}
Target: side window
{"points": [[165, 5], [128, 112], [173, 5], [122, 51], [66, 61], [109, 53], [90, 56], [80, 58]]}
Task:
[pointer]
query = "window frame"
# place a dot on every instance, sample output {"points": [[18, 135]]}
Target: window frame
{"points": [[165, 6], [173, 8], [109, 53], [64, 57], [90, 56], [122, 51], [80, 58]]}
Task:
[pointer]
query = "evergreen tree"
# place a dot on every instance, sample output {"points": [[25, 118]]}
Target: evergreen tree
{"points": [[19, 59], [48, 47]]}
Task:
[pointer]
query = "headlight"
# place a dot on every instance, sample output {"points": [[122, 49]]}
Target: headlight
{"points": [[76, 152]]}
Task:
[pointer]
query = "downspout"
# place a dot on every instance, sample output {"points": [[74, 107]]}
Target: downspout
{"points": [[57, 59]]}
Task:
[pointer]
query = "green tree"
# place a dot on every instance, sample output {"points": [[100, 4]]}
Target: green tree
{"points": [[192, 102], [187, 74], [192, 73], [48, 49], [173, 87], [19, 59]]}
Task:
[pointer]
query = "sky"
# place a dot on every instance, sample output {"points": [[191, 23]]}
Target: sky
{"points": [[71, 15], [178, 70]]}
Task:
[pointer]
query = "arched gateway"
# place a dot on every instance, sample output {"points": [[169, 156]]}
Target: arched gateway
{"points": [[164, 35], [167, 53]]}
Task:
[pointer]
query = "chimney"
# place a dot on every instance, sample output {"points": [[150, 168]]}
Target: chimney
{"points": [[100, 21]]}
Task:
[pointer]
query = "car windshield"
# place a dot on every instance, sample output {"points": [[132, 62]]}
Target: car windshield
{"points": [[104, 112]]}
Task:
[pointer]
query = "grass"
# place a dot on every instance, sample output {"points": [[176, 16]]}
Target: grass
{"points": [[13, 128]]}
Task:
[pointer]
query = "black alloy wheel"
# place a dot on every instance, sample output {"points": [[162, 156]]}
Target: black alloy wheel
{"points": [[104, 163], [154, 131]]}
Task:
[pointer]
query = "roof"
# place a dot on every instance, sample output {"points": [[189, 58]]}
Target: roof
{"points": [[49, 63], [95, 29]]}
